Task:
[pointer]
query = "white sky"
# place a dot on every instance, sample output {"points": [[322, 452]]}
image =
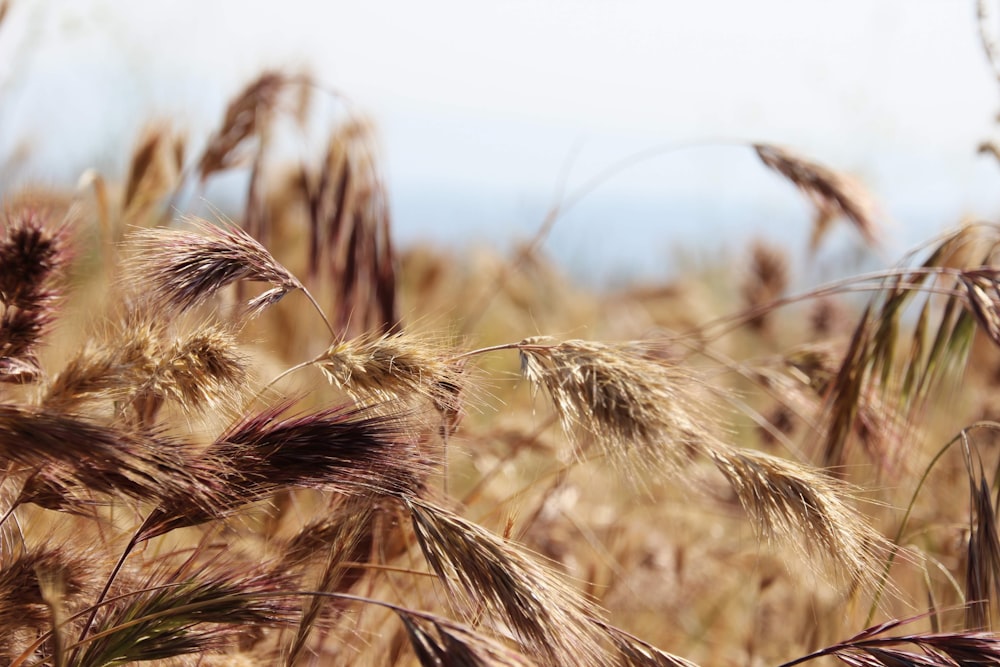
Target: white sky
{"points": [[487, 100]]}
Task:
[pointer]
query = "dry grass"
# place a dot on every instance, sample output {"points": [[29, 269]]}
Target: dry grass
{"points": [[32, 257], [833, 193], [184, 269], [739, 483], [396, 367]]}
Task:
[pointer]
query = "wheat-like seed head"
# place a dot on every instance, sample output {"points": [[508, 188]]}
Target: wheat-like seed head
{"points": [[335, 527], [349, 233], [140, 361], [452, 643], [638, 408], [833, 193], [485, 573], [392, 367], [341, 449], [204, 370], [901, 363], [22, 604], [982, 288], [156, 163], [67, 460], [874, 647], [31, 254], [32, 259], [198, 607], [795, 501], [181, 269], [344, 535], [249, 112], [982, 569], [766, 280], [635, 652]]}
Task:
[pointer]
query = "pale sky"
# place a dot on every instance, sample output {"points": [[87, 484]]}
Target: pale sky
{"points": [[481, 104]]}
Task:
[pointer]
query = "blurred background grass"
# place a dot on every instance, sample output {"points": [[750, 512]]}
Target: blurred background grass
{"points": [[486, 113]]}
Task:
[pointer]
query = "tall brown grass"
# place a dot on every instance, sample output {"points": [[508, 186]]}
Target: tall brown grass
{"points": [[200, 471]]}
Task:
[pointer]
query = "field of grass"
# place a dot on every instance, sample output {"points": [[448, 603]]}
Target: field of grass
{"points": [[278, 439]]}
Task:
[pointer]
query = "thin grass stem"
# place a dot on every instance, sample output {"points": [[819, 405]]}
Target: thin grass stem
{"points": [[891, 559], [319, 310]]}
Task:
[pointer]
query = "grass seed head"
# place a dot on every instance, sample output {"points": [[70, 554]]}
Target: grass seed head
{"points": [[181, 269], [248, 113], [983, 298], [766, 280], [804, 506], [22, 604], [206, 368], [488, 573], [153, 172], [185, 611], [452, 643], [32, 260], [141, 361], [637, 407], [392, 367], [341, 449], [832, 192], [67, 459]]}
